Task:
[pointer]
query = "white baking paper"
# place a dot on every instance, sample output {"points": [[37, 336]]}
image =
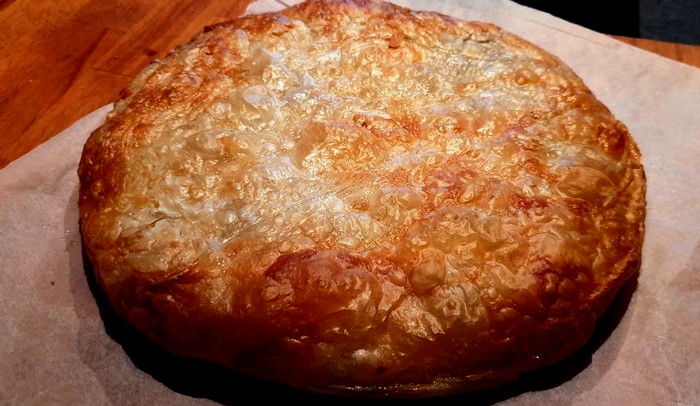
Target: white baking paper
{"points": [[58, 347]]}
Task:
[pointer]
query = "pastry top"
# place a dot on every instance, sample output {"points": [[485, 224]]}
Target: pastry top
{"points": [[350, 196]]}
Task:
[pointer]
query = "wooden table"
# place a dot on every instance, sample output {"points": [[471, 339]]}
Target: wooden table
{"points": [[60, 60]]}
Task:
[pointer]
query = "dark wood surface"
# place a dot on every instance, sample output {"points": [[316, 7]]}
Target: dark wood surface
{"points": [[60, 60]]}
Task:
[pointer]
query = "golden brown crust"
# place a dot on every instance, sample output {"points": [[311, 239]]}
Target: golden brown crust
{"points": [[352, 197]]}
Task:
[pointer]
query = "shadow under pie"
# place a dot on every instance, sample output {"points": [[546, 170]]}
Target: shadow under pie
{"points": [[201, 379]]}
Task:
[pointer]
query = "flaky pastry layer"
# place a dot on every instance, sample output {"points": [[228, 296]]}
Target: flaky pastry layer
{"points": [[356, 198]]}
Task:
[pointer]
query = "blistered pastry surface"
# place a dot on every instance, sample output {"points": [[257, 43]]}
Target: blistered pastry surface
{"points": [[374, 196]]}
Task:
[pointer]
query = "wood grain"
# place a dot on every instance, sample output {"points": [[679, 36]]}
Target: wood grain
{"points": [[62, 60]]}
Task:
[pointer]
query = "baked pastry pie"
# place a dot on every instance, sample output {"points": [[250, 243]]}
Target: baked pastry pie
{"points": [[356, 198]]}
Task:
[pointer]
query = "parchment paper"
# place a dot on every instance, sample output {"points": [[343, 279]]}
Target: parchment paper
{"points": [[60, 344]]}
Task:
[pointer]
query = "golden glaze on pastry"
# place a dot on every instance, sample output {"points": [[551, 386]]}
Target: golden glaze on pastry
{"points": [[355, 198]]}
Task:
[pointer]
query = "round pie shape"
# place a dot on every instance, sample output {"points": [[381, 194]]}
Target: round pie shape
{"points": [[361, 199]]}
